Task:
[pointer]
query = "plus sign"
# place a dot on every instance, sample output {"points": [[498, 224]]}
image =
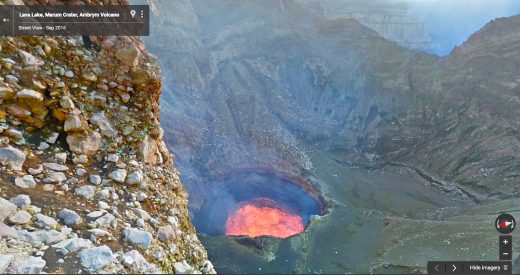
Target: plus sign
{"points": [[505, 241]]}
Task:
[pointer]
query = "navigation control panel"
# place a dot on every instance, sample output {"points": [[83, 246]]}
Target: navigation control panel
{"points": [[505, 224]]}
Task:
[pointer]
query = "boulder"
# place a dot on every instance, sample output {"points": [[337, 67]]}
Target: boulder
{"points": [[18, 111], [137, 237], [22, 201], [56, 167], [26, 181], [72, 245], [95, 179], [96, 214], [55, 177], [74, 123], [81, 159], [28, 59], [135, 177], [182, 268], [21, 217], [142, 214], [7, 208], [109, 42], [99, 232], [52, 138], [45, 221], [35, 171], [31, 95], [86, 191], [61, 157], [5, 261], [147, 150], [104, 221], [12, 158], [41, 236], [6, 93], [84, 143], [43, 146], [112, 158], [6, 231], [128, 56], [81, 172], [133, 259], [69, 217], [96, 258], [66, 103], [32, 265], [118, 175], [165, 233], [103, 124]]}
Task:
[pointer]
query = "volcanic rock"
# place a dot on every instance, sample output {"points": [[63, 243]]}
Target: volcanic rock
{"points": [[86, 191], [183, 268], [72, 245], [95, 179], [52, 138], [41, 236], [12, 158], [104, 221], [142, 214], [165, 233], [5, 261], [128, 56], [84, 143], [67, 103], [135, 177], [133, 259], [70, 217], [74, 123], [137, 236], [22, 201], [96, 258], [55, 177], [6, 208], [32, 265], [26, 181], [118, 175], [29, 59], [45, 221], [56, 167], [21, 217], [6, 93], [61, 157], [28, 94], [104, 125]]}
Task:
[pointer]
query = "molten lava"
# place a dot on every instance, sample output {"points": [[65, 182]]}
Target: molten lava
{"points": [[261, 217]]}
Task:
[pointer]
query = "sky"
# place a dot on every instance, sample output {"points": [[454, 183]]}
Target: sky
{"points": [[451, 22]]}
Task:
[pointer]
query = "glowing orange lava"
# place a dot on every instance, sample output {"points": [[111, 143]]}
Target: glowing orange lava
{"points": [[261, 217]]}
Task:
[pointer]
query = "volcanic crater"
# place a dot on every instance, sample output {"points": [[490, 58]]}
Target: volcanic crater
{"points": [[252, 204]]}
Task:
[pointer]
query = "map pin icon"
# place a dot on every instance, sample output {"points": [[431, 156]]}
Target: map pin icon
{"points": [[132, 13]]}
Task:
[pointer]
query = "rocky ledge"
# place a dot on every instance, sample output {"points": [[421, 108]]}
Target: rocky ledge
{"points": [[87, 184]]}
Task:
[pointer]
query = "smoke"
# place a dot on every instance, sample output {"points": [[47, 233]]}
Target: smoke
{"points": [[450, 22]]}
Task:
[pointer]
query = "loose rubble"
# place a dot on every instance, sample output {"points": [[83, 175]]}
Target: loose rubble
{"points": [[83, 163]]}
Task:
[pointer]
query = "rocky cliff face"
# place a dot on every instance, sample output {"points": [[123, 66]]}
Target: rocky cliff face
{"points": [[87, 182], [393, 20], [268, 90]]}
